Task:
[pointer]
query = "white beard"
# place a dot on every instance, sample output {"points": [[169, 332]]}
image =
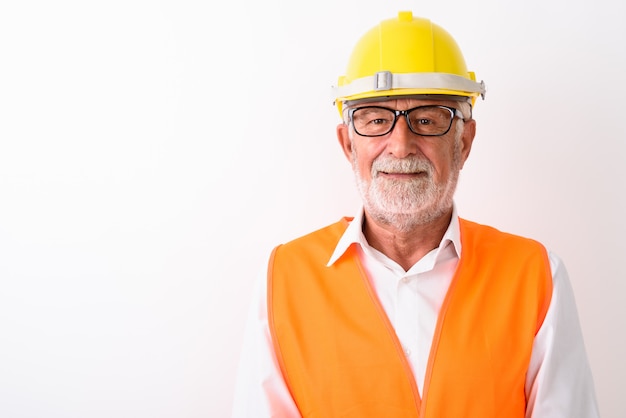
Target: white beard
{"points": [[405, 204]]}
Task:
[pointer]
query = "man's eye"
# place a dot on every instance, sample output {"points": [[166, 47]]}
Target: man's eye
{"points": [[424, 121]]}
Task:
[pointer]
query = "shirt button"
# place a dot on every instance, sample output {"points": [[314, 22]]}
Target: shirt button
{"points": [[407, 352], [405, 280]]}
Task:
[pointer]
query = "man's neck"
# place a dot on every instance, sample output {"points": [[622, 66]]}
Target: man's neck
{"points": [[406, 247]]}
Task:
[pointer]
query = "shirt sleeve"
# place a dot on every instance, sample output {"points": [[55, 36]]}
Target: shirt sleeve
{"points": [[260, 390], [559, 382]]}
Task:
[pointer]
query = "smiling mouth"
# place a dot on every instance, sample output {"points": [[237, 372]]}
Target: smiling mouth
{"points": [[402, 173]]}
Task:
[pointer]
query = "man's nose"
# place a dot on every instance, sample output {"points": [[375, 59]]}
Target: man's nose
{"points": [[401, 141]]}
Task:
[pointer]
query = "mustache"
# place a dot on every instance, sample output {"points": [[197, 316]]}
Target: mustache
{"points": [[387, 164]]}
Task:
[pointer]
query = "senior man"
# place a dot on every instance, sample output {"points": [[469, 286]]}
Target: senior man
{"points": [[405, 309]]}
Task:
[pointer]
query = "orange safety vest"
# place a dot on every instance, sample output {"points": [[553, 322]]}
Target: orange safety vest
{"points": [[340, 356]]}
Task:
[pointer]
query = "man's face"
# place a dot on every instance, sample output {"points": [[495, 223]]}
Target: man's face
{"points": [[406, 179]]}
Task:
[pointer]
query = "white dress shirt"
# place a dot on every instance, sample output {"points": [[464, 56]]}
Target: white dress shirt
{"points": [[558, 383]]}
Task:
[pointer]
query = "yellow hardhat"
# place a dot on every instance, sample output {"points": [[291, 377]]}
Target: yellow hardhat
{"points": [[406, 56]]}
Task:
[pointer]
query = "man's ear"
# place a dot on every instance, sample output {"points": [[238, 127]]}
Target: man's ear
{"points": [[467, 139], [343, 136]]}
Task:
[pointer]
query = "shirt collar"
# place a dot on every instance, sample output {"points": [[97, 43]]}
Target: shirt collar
{"points": [[354, 235]]}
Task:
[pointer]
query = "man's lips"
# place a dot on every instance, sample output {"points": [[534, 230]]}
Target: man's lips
{"points": [[401, 175]]}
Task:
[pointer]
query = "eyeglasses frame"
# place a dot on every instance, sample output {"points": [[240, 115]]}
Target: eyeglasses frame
{"points": [[454, 112]]}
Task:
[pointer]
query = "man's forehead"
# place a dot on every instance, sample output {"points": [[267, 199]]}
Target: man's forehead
{"points": [[412, 99]]}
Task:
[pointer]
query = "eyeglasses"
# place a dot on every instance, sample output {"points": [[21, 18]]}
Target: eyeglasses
{"points": [[432, 120]]}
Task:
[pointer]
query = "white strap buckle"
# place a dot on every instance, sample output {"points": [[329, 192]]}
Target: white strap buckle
{"points": [[383, 80]]}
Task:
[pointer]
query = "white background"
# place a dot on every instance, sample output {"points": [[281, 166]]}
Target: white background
{"points": [[153, 152]]}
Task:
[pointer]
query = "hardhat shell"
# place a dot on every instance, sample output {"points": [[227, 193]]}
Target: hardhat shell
{"points": [[406, 45]]}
